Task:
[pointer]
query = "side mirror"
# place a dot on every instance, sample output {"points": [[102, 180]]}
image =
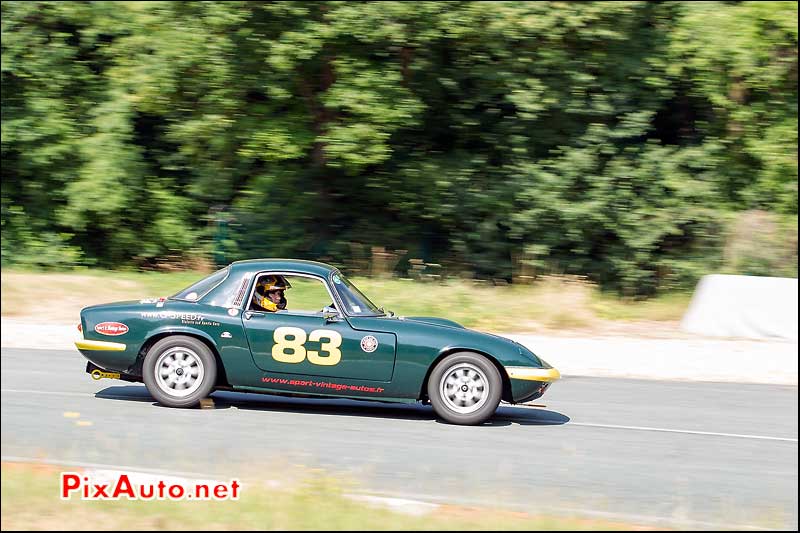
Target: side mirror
{"points": [[330, 316]]}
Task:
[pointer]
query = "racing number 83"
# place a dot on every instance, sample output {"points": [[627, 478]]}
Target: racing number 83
{"points": [[291, 349]]}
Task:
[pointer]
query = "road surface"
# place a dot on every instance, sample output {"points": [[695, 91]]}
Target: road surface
{"points": [[667, 453]]}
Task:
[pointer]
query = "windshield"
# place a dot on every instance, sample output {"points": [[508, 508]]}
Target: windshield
{"points": [[355, 302], [197, 290]]}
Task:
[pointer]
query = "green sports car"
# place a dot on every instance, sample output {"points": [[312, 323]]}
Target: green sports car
{"points": [[292, 327]]}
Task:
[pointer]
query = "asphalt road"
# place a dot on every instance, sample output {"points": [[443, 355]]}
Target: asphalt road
{"points": [[668, 453]]}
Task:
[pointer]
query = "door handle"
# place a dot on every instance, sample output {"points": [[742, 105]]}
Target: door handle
{"points": [[248, 315]]}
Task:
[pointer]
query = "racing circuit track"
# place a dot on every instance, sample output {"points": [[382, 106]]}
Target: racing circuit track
{"points": [[668, 453]]}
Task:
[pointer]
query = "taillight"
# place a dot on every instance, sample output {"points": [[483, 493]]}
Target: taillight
{"points": [[80, 328]]}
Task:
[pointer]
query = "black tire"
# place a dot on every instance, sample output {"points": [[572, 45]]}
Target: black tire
{"points": [[478, 402], [188, 371]]}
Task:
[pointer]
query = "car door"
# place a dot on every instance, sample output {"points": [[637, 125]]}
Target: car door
{"points": [[311, 345]]}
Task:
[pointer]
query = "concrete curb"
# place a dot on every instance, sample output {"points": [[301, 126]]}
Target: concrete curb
{"points": [[738, 361]]}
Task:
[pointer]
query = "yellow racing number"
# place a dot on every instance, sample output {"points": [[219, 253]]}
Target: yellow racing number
{"points": [[295, 344], [291, 350], [332, 347]]}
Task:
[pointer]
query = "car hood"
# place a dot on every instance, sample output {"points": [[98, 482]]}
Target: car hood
{"points": [[452, 324], [432, 320], [438, 334]]}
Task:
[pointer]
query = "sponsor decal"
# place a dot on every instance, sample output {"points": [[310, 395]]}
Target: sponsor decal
{"points": [[158, 301], [226, 335], [233, 312], [173, 315], [197, 319], [111, 328], [322, 385], [369, 344]]}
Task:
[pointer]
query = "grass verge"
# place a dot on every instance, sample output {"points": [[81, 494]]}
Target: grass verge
{"points": [[550, 304]]}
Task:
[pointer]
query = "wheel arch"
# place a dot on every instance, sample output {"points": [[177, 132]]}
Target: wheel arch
{"points": [[506, 394], [222, 377]]}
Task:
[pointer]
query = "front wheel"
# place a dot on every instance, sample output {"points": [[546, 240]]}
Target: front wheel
{"points": [[465, 388], [179, 371]]}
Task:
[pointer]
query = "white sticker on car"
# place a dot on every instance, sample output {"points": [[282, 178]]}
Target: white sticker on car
{"points": [[369, 344]]}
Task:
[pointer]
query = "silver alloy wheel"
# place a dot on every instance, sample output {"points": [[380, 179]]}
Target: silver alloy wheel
{"points": [[464, 388], [179, 371]]}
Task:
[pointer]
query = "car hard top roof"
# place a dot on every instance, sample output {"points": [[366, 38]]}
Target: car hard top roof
{"points": [[289, 265]]}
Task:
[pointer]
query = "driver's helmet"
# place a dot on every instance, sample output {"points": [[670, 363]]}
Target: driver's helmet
{"points": [[267, 284], [273, 283]]}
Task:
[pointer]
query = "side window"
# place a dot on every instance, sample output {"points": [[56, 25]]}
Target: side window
{"points": [[302, 295]]}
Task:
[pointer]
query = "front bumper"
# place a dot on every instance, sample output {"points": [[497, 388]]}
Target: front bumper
{"points": [[528, 383], [533, 374]]}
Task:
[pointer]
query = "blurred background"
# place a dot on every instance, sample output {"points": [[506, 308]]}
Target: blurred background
{"points": [[632, 145], [544, 168]]}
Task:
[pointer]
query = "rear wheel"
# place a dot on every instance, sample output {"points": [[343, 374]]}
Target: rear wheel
{"points": [[179, 371], [465, 388]]}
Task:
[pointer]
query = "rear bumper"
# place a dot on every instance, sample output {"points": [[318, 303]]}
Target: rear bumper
{"points": [[105, 346], [112, 356]]}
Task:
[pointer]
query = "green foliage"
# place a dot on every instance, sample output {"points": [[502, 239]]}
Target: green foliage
{"points": [[603, 139], [745, 66], [637, 220]]}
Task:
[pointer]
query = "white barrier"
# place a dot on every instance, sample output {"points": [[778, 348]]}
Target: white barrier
{"points": [[752, 307]]}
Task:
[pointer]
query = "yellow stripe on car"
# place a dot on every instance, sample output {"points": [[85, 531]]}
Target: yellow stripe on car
{"points": [[533, 374], [84, 344]]}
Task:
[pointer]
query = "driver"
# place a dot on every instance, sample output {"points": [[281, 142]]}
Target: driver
{"points": [[269, 294]]}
